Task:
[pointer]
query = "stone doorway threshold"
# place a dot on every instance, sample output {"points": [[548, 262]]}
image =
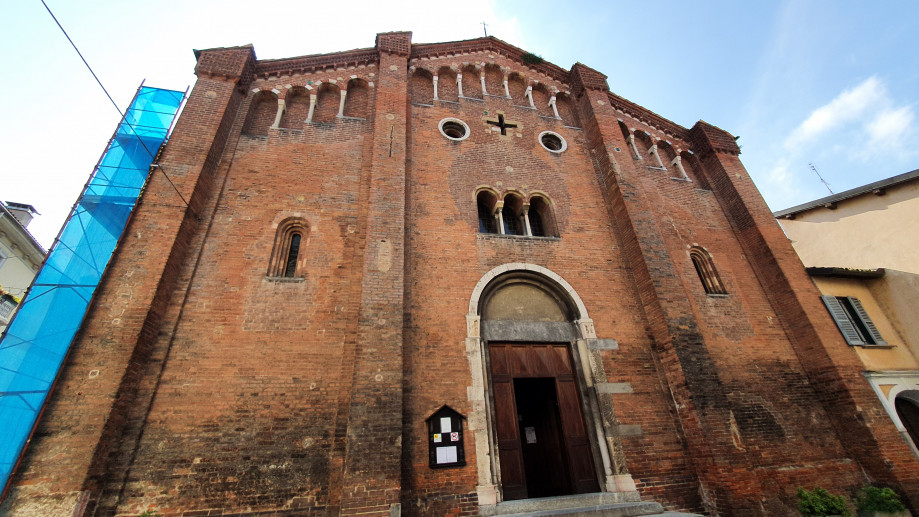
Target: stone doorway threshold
{"points": [[601, 504]]}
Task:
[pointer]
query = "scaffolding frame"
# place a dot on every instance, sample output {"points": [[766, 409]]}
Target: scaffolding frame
{"points": [[38, 339]]}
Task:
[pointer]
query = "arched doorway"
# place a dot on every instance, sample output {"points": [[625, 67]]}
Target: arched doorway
{"points": [[526, 322], [907, 406]]}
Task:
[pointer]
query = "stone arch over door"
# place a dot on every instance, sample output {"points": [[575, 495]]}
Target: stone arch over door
{"points": [[577, 332], [900, 386]]}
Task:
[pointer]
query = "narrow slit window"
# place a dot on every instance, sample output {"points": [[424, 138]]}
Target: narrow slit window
{"points": [[292, 255], [290, 241], [706, 271]]}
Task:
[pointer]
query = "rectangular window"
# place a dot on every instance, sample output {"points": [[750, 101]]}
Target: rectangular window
{"points": [[7, 307], [853, 321]]}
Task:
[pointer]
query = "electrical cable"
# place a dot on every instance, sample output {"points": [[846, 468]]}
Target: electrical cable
{"points": [[139, 139]]}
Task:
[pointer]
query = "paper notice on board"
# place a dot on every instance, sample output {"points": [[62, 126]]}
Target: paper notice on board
{"points": [[445, 425], [530, 433], [436, 438], [446, 454]]}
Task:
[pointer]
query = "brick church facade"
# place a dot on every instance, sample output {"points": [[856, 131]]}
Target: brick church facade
{"points": [[423, 279]]}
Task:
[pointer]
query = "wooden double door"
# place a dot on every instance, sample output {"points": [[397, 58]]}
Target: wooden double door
{"points": [[542, 439]]}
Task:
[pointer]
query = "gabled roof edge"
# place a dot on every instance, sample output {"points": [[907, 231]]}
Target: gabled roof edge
{"points": [[857, 191]]}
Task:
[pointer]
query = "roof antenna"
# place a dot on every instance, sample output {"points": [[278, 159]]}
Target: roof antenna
{"points": [[827, 185], [484, 28]]}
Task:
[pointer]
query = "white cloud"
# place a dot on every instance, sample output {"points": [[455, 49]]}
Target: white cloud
{"points": [[848, 106], [779, 172], [890, 127], [860, 125]]}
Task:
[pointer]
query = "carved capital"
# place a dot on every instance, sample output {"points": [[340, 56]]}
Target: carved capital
{"points": [[472, 325], [586, 326]]}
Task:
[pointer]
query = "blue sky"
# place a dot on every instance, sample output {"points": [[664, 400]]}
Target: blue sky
{"points": [[833, 83]]}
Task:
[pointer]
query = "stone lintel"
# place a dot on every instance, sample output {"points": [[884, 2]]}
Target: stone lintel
{"points": [[528, 331]]}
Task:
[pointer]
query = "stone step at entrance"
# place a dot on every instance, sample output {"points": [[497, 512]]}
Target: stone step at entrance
{"points": [[589, 505]]}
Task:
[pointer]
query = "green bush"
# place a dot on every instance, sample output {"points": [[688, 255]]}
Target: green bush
{"points": [[874, 499], [820, 503], [531, 59]]}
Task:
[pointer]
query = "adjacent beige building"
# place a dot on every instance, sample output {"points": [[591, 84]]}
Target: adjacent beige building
{"points": [[20, 257], [861, 247]]}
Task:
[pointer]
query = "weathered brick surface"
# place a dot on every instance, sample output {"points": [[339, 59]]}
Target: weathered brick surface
{"points": [[222, 391]]}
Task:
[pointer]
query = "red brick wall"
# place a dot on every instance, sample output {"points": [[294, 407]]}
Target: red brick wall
{"points": [[221, 390]]}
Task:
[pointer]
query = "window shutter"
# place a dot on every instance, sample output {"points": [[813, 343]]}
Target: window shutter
{"points": [[842, 321], [866, 320]]}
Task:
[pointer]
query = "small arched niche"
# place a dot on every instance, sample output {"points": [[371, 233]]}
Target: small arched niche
{"points": [[446, 85], [494, 80], [357, 101], [327, 103], [517, 86], [643, 143], [262, 112], [668, 154], [298, 108], [422, 87], [566, 111], [541, 100], [472, 86]]}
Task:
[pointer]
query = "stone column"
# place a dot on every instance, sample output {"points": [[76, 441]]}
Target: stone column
{"points": [[277, 118], [554, 107], [657, 157], [678, 162], [633, 146], [309, 117], [526, 219], [341, 103]]}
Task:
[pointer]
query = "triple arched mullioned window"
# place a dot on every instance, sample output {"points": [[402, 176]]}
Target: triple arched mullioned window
{"points": [[514, 214], [705, 268], [287, 257]]}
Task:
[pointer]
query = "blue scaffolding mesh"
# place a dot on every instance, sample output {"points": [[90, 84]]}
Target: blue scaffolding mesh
{"points": [[38, 338]]}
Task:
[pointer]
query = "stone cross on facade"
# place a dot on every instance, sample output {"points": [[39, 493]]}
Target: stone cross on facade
{"points": [[501, 123]]}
